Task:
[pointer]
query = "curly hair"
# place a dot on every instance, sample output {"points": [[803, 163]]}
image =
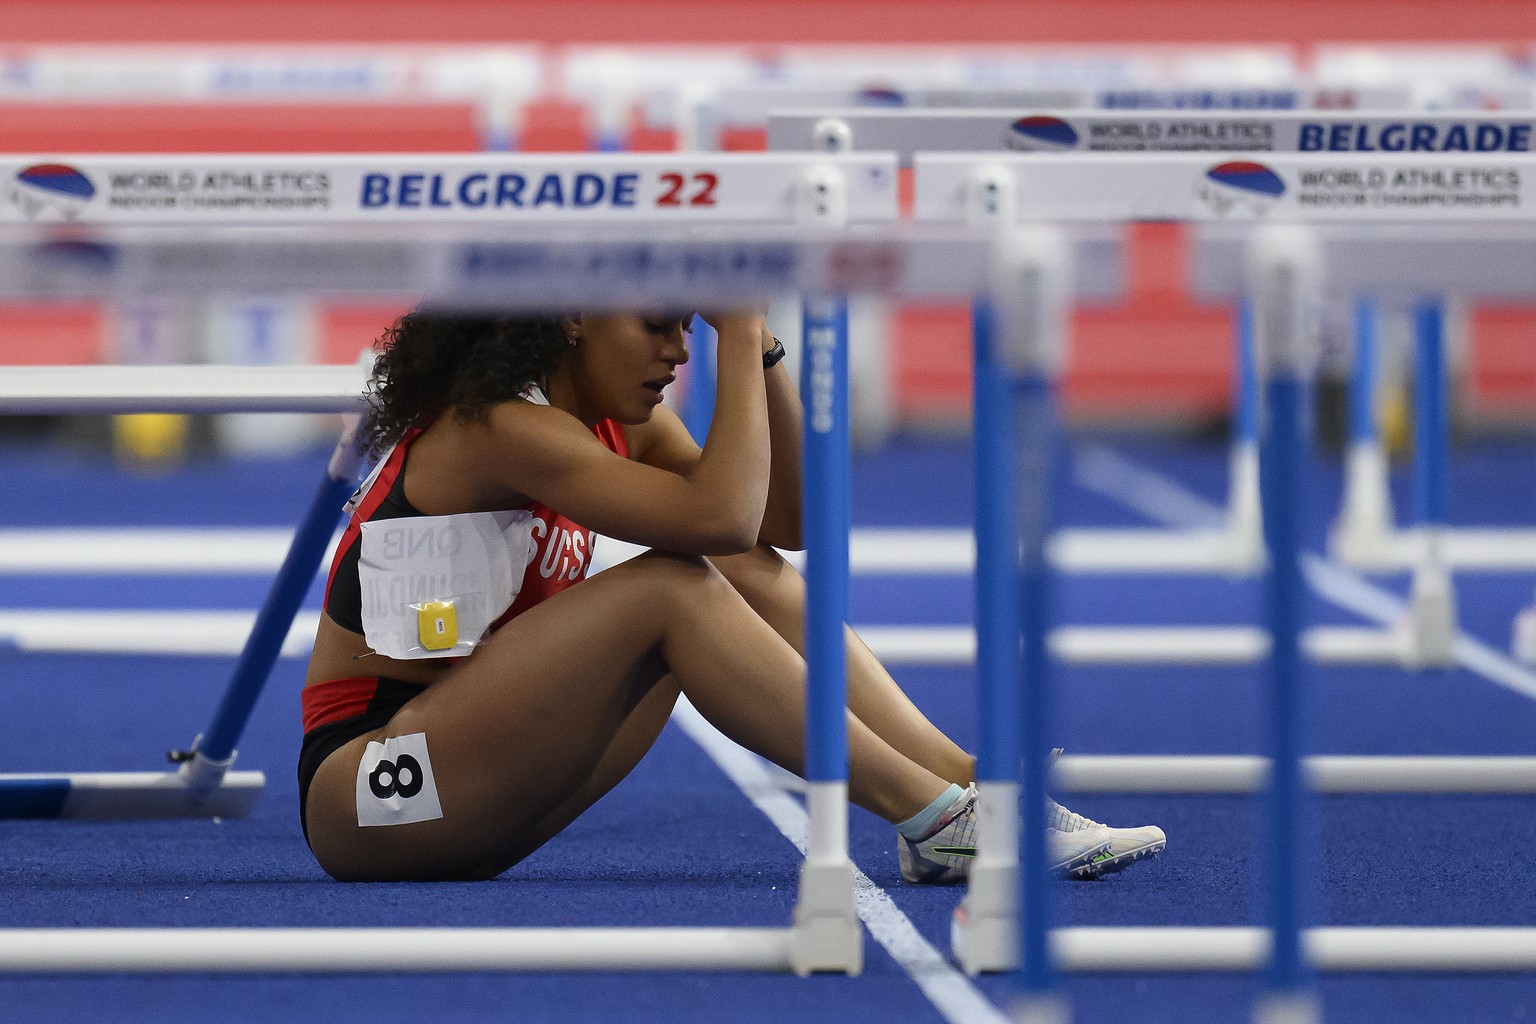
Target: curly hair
{"points": [[429, 362]]}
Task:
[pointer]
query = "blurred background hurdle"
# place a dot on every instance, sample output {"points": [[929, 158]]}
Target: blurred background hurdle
{"points": [[1285, 280], [1364, 533], [1428, 635], [202, 785], [121, 98]]}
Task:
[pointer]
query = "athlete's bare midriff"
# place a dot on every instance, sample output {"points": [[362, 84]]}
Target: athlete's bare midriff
{"points": [[342, 654]]}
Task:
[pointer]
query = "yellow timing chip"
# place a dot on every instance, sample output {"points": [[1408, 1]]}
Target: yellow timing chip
{"points": [[438, 625]]}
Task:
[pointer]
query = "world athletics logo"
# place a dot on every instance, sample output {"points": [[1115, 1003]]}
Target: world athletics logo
{"points": [[49, 192], [1240, 185], [1041, 133]]}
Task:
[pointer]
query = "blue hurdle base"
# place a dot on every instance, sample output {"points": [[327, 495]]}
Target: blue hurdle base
{"points": [[126, 795]]}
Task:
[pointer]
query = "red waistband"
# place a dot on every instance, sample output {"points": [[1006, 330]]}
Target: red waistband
{"points": [[336, 699]]}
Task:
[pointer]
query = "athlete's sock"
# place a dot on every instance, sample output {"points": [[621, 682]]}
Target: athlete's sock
{"points": [[923, 824]]}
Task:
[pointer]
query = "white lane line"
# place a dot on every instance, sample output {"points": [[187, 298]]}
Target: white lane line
{"points": [[160, 551], [951, 992], [189, 631], [1165, 501], [149, 550], [200, 632]]}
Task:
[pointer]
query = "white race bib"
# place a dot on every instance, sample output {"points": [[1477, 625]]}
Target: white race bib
{"points": [[432, 585]]}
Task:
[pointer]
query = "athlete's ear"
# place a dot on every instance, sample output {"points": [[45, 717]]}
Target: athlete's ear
{"points": [[570, 326]]}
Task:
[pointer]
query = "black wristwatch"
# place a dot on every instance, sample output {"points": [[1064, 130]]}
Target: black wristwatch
{"points": [[772, 356]]}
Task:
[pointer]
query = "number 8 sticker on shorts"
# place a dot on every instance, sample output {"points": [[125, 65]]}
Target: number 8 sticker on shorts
{"points": [[395, 784]]}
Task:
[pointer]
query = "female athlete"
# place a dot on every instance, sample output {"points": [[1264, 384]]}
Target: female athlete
{"points": [[471, 692]]}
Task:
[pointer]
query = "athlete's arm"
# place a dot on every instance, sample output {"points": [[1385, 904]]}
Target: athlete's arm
{"points": [[665, 443], [714, 507]]}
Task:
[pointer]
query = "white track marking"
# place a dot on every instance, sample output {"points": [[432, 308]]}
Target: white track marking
{"points": [[1165, 501], [1158, 498], [190, 631], [149, 550], [159, 550], [950, 991]]}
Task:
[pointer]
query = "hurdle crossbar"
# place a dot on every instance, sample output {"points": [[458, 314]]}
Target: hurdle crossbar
{"points": [[49, 390], [1330, 774], [125, 796], [1084, 950]]}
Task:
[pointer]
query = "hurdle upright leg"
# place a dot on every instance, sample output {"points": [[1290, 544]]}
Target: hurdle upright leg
{"points": [[1035, 397], [1432, 606], [1244, 526], [1285, 268], [984, 935], [1036, 269], [828, 935], [1364, 532]]}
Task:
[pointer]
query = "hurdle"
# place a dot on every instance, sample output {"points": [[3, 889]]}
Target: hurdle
{"points": [[794, 220], [495, 80], [1396, 264], [1283, 292], [1453, 76], [1284, 278], [744, 83], [202, 785], [1364, 536], [1193, 188], [830, 79]]}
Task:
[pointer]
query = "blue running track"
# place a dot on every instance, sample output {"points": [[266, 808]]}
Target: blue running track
{"points": [[678, 844]]}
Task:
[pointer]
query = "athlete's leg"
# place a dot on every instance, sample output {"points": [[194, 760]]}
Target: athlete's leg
{"points": [[635, 737], [518, 731], [777, 592]]}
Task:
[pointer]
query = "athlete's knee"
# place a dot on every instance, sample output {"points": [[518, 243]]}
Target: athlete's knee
{"points": [[764, 577], [668, 571], [762, 560]]}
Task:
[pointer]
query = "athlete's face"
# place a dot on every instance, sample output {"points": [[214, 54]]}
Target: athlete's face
{"points": [[621, 362]]}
